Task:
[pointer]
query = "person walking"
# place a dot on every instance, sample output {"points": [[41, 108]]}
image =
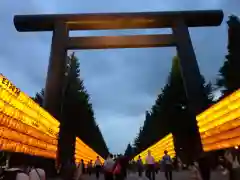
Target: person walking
{"points": [[89, 168], [108, 167], [195, 173], [82, 166], [37, 173], [97, 167], [204, 167], [78, 172], [140, 166], [167, 162], [17, 169], [117, 169], [150, 162], [125, 165]]}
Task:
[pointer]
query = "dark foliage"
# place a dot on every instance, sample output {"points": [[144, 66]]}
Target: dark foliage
{"points": [[77, 114], [129, 151], [229, 76], [170, 113]]}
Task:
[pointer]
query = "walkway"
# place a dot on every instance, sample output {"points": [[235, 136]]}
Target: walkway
{"points": [[185, 175]]}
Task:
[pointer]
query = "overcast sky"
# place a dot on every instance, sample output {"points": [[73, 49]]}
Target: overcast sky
{"points": [[123, 83]]}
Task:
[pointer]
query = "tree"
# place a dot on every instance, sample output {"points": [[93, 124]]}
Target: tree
{"points": [[81, 112], [229, 76], [77, 118], [154, 128], [177, 113], [39, 97], [170, 113], [129, 151]]}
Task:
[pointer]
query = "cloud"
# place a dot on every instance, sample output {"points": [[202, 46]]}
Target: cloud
{"points": [[123, 83]]}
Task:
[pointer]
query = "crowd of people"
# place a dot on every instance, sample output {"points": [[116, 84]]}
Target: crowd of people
{"points": [[118, 167], [152, 167], [112, 168], [18, 167]]}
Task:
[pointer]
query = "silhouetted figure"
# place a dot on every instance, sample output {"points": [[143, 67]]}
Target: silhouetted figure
{"points": [[204, 167], [167, 161], [108, 167], [118, 169], [150, 163], [98, 167], [89, 168], [78, 172], [125, 165], [37, 172], [83, 166], [195, 173], [229, 164], [17, 168], [140, 166]]}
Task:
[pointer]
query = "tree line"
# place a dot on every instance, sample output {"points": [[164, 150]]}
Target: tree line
{"points": [[170, 110], [77, 117]]}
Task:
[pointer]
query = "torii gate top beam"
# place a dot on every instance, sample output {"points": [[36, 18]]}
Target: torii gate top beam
{"points": [[100, 21]]}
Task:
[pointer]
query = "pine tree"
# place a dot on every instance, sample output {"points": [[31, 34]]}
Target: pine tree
{"points": [[77, 118], [229, 76], [170, 114], [177, 115], [39, 97], [129, 151]]}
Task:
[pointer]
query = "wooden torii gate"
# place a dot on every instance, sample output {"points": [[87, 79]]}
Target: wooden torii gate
{"points": [[178, 21]]}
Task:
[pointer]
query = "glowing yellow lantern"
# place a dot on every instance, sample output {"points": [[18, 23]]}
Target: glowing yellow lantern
{"points": [[219, 125], [157, 150]]}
